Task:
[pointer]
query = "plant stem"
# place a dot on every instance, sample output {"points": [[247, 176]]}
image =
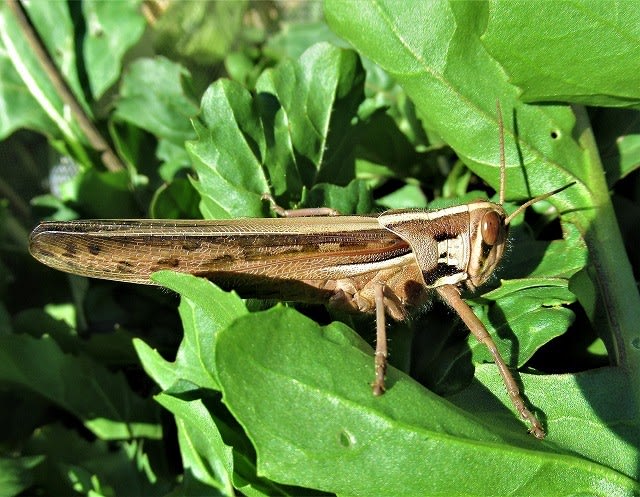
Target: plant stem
{"points": [[610, 269], [108, 156]]}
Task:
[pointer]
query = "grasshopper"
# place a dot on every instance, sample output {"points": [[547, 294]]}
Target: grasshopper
{"points": [[388, 263]]}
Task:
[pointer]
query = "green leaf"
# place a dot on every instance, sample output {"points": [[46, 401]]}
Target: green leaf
{"points": [[160, 87], [317, 98], [407, 197], [228, 153], [295, 38], [617, 132], [101, 400], [202, 32], [30, 97], [176, 200], [353, 198], [204, 310], [204, 454], [585, 412], [538, 258], [109, 468], [208, 461], [16, 473], [526, 315], [112, 28], [579, 67], [528, 309], [105, 194], [629, 154], [302, 394], [297, 132], [455, 83]]}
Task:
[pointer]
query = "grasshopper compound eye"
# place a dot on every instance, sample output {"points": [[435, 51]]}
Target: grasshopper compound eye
{"points": [[490, 228]]}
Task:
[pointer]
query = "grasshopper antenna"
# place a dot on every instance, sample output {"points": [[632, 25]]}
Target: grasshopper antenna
{"points": [[534, 200], [503, 165]]}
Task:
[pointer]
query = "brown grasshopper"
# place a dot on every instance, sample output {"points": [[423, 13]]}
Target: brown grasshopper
{"points": [[387, 264]]}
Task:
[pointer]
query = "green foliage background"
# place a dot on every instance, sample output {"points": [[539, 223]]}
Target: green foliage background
{"points": [[361, 106]]}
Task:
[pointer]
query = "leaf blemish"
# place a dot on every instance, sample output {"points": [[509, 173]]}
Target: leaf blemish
{"points": [[346, 439]]}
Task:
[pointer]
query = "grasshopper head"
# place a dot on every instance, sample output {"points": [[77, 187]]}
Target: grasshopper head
{"points": [[487, 237]]}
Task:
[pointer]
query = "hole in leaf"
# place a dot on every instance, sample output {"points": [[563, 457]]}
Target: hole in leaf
{"points": [[346, 439]]}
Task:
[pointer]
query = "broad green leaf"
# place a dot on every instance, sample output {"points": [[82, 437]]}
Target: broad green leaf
{"points": [[100, 399], [302, 394], [528, 309], [207, 459], [161, 88], [454, 83], [526, 315], [204, 309], [407, 197], [112, 28], [527, 257], [579, 67]]}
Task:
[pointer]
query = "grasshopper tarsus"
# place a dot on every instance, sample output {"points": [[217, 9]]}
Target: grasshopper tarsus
{"points": [[304, 212], [536, 428]]}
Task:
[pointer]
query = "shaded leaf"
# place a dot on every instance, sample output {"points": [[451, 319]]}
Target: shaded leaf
{"points": [[176, 200], [102, 400], [16, 473], [204, 454], [75, 464]]}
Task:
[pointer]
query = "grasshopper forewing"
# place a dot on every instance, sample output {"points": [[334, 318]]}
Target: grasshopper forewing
{"points": [[386, 264]]}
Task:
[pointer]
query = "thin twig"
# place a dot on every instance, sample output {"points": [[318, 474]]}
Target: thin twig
{"points": [[97, 142]]}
